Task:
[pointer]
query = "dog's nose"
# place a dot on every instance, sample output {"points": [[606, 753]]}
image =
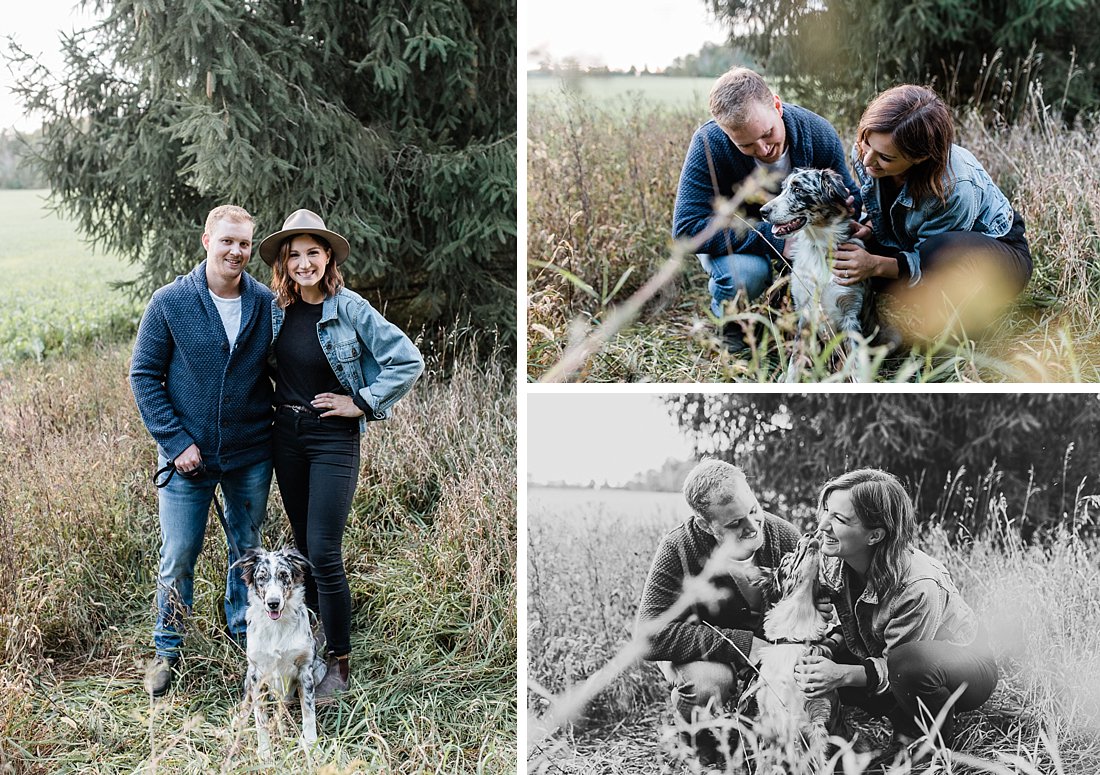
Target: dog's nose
{"points": [[766, 209], [273, 605]]}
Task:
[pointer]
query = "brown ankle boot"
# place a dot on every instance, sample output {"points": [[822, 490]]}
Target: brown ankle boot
{"points": [[337, 673]]}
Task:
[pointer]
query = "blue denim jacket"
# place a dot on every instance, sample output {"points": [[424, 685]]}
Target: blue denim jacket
{"points": [[925, 605], [370, 356], [974, 203]]}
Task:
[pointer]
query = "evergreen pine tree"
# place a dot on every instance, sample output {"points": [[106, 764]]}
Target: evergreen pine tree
{"points": [[393, 120]]}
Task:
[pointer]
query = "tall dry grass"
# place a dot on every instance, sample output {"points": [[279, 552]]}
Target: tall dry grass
{"points": [[601, 188], [1040, 604], [430, 554]]}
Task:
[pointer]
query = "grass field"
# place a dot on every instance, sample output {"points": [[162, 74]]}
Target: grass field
{"points": [[58, 296], [430, 552], [602, 176], [588, 555], [688, 93]]}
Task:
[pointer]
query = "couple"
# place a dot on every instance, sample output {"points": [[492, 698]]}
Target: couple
{"points": [[936, 224], [906, 637], [202, 374]]}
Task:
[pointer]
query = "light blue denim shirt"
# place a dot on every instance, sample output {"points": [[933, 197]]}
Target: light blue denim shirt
{"points": [[974, 203], [369, 355]]}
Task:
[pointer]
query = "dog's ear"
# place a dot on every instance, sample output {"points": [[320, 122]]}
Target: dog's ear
{"points": [[247, 564], [297, 561], [768, 584], [833, 186]]}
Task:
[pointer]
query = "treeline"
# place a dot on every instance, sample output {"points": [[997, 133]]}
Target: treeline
{"points": [[16, 171], [993, 55], [1022, 461], [711, 60]]}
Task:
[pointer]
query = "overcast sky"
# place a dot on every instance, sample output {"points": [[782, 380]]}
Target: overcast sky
{"points": [[618, 33], [578, 437], [36, 25]]}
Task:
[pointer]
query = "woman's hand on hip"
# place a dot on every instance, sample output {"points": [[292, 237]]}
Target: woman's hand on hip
{"points": [[333, 405]]}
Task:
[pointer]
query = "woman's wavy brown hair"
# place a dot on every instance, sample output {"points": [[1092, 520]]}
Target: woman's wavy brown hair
{"points": [[286, 290], [879, 501], [920, 126]]}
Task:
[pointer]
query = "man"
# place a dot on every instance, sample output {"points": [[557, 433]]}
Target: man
{"points": [[750, 129], [199, 377], [711, 642]]}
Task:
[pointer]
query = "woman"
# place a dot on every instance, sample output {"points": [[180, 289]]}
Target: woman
{"points": [[907, 637], [942, 229], [339, 364]]}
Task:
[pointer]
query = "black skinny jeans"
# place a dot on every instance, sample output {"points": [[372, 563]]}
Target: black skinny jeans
{"points": [[929, 671], [317, 468]]}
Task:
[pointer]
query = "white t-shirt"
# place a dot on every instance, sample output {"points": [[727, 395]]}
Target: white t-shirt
{"points": [[780, 168], [230, 312]]}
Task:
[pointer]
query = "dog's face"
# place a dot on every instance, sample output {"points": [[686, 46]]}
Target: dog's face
{"points": [[273, 577], [809, 197], [797, 570]]}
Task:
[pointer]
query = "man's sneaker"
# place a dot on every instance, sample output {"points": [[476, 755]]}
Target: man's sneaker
{"points": [[158, 675]]}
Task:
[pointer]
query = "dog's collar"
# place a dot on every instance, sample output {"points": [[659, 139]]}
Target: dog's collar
{"points": [[788, 642]]}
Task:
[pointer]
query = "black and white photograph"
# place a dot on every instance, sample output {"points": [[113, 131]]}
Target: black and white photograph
{"points": [[813, 583]]}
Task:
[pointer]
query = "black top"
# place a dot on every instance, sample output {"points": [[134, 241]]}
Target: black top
{"points": [[304, 371]]}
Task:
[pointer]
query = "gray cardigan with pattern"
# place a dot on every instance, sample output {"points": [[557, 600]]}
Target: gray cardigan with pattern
{"points": [[682, 554]]}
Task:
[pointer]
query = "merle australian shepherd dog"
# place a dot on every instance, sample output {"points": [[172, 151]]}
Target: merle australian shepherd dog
{"points": [[281, 651], [812, 212]]}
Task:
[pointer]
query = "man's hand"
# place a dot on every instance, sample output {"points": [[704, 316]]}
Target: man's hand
{"points": [[188, 460], [860, 231], [825, 607]]}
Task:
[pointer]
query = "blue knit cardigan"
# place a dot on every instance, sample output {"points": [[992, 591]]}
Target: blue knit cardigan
{"points": [[190, 388], [812, 142]]}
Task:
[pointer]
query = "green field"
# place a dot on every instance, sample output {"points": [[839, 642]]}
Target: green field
{"points": [[58, 295], [687, 93]]}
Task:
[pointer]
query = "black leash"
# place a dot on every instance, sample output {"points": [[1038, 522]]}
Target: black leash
{"points": [[170, 470]]}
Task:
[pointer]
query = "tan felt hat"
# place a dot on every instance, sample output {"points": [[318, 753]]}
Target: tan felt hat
{"points": [[303, 222]]}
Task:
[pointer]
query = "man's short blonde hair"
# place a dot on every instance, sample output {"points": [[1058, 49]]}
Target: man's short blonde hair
{"points": [[734, 94], [226, 213], [707, 478]]}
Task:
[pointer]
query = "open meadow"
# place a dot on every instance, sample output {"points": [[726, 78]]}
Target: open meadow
{"points": [[58, 295], [588, 555], [603, 164], [430, 554]]}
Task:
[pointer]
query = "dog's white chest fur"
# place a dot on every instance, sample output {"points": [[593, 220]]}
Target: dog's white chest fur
{"points": [[278, 649]]}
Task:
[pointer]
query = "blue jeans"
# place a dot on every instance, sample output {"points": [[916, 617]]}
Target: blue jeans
{"points": [[729, 274], [184, 510]]}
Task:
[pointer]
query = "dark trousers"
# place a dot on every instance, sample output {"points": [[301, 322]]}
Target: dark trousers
{"points": [[317, 468], [929, 672], [967, 280]]}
